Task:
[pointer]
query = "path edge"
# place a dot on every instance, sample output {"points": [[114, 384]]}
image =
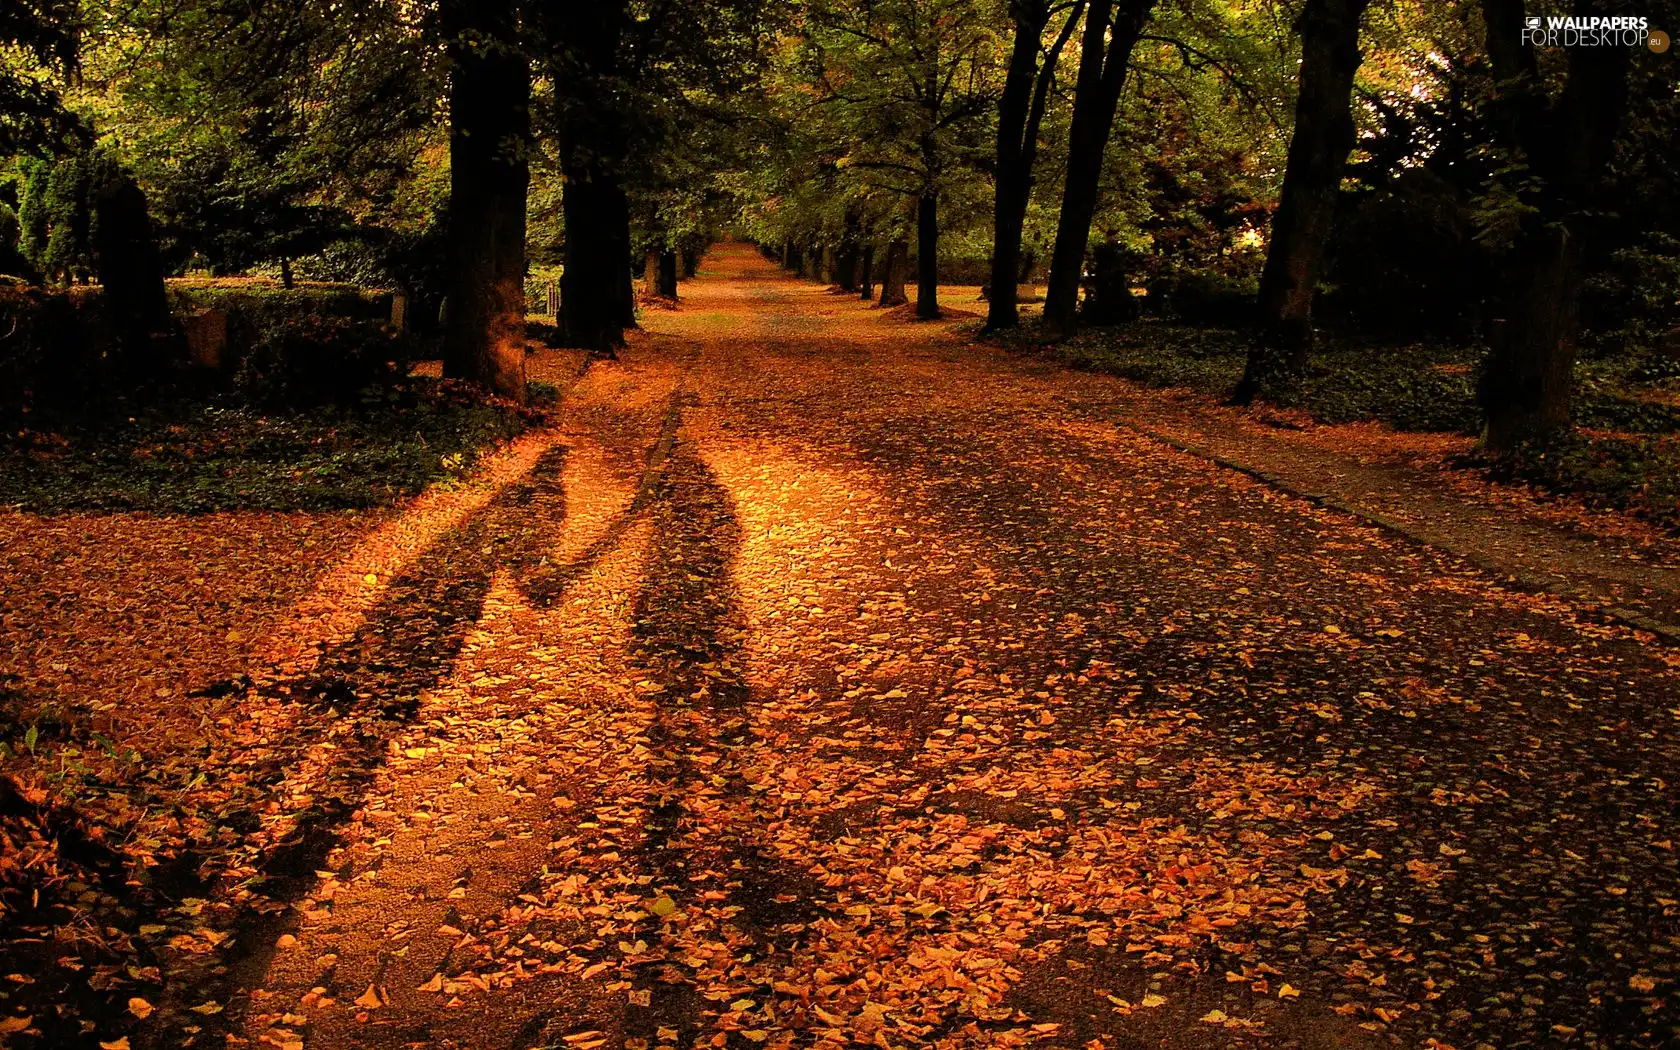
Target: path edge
{"points": [[1524, 581]]}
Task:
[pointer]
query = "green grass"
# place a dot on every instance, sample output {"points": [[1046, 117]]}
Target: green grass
{"points": [[192, 456]]}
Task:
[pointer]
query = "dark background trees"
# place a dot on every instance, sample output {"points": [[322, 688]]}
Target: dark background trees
{"points": [[1395, 170]]}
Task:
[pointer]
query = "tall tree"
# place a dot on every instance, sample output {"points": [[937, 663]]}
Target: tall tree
{"points": [[1112, 30], [1318, 153], [1559, 146], [41, 40], [1026, 93], [905, 86], [586, 44], [629, 81], [262, 132], [489, 142]]}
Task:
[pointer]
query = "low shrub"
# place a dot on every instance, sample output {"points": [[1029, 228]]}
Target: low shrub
{"points": [[195, 455], [1633, 472], [262, 302], [48, 355], [303, 362]]}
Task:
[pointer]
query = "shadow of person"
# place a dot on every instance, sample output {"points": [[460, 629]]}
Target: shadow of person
{"points": [[699, 840], [359, 696]]}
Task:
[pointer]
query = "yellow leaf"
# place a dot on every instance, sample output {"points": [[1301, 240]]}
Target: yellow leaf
{"points": [[663, 906], [1153, 1000], [370, 579], [8, 1025], [1289, 991], [433, 985], [114, 1044], [369, 1000], [207, 1009], [140, 1008], [1214, 1017]]}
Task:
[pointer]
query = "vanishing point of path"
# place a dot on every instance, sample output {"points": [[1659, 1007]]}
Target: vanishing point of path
{"points": [[825, 681]]}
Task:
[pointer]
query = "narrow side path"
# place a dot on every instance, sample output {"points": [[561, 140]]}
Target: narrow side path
{"points": [[1632, 582]]}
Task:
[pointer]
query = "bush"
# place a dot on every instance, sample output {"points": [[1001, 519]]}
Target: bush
{"points": [[49, 351], [1204, 299], [1641, 474], [308, 361], [1403, 260], [260, 303], [1633, 301]]}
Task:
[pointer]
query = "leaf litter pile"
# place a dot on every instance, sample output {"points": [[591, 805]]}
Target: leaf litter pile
{"points": [[818, 680]]}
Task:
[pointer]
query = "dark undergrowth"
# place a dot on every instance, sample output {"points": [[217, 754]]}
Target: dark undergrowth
{"points": [[196, 454], [1626, 454]]}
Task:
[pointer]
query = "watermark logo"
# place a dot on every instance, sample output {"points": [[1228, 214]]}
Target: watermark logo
{"points": [[1593, 31]]}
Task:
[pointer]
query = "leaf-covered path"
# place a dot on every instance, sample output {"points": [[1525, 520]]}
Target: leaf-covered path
{"points": [[823, 680]]}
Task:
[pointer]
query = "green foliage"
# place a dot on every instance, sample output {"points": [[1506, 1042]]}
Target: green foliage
{"points": [[1633, 300], [312, 360], [262, 132], [39, 39], [263, 305], [1630, 472], [53, 353], [198, 456]]}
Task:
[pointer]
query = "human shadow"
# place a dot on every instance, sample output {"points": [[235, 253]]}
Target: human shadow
{"points": [[686, 637], [359, 695]]}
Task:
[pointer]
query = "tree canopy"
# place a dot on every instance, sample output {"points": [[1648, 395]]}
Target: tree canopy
{"points": [[1394, 164]]}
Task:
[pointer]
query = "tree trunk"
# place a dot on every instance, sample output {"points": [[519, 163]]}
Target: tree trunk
{"points": [[1105, 53], [597, 293], [866, 272], [650, 274], [666, 287], [1312, 180], [624, 283], [691, 256], [1020, 112], [788, 262], [596, 261], [131, 271], [286, 271], [490, 128], [847, 261], [1528, 376], [898, 265], [846, 268], [1567, 143], [927, 256]]}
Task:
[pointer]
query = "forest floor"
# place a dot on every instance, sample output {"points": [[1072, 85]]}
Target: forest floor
{"points": [[819, 678]]}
